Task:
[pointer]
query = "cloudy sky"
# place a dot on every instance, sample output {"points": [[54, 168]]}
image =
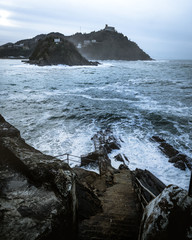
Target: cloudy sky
{"points": [[162, 28]]}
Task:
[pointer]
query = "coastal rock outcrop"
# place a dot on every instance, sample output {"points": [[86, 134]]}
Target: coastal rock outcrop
{"points": [[168, 216], [37, 192], [178, 159], [54, 51]]}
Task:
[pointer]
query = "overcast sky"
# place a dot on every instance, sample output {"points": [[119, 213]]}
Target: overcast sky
{"points": [[162, 28]]}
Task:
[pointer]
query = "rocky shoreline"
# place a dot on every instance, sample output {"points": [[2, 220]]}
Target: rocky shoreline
{"points": [[42, 198]]}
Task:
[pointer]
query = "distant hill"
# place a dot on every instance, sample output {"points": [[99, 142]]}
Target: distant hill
{"points": [[54, 50], [20, 49], [106, 44]]}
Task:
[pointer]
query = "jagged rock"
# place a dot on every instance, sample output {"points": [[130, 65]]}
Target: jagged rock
{"points": [[49, 52], [123, 166], [183, 160], [105, 140], [169, 150], [168, 216], [180, 165], [157, 139], [149, 181], [7, 129], [104, 143], [90, 159], [37, 192], [180, 160], [119, 158]]}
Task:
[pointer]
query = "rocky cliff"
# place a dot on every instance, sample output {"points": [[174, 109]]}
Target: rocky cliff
{"points": [[108, 45], [37, 192], [41, 197], [100, 45], [54, 51]]}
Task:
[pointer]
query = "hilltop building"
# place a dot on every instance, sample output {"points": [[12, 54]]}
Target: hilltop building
{"points": [[57, 40], [109, 28]]}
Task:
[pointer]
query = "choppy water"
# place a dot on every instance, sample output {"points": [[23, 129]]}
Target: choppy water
{"points": [[58, 109]]}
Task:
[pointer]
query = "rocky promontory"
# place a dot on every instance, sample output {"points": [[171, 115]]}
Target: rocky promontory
{"points": [[54, 51], [108, 45], [105, 44]]}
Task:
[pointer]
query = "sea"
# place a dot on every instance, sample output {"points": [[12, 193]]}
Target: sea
{"points": [[58, 109]]}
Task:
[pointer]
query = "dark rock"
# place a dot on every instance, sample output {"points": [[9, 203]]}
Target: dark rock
{"points": [[119, 158], [90, 159], [123, 166], [178, 157], [7, 130], [157, 139], [168, 216], [149, 181], [88, 202], [91, 180], [37, 192], [126, 158], [180, 160], [105, 140], [169, 150], [111, 143], [49, 52], [180, 164]]}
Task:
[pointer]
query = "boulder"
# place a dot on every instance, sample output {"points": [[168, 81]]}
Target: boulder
{"points": [[37, 191], [168, 216]]}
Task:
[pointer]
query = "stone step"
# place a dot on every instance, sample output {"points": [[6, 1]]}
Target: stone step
{"points": [[119, 219]]}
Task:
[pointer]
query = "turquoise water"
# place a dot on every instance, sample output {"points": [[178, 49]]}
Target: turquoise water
{"points": [[58, 109]]}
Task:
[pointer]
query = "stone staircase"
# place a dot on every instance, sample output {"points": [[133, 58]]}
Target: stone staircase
{"points": [[119, 219]]}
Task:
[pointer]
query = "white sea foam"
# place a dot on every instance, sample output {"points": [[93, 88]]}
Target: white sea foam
{"points": [[59, 108], [145, 154]]}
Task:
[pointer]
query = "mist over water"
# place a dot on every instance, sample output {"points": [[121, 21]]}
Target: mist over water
{"points": [[59, 108]]}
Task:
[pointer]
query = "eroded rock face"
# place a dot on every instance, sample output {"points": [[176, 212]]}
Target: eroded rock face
{"points": [[37, 192], [168, 216]]}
